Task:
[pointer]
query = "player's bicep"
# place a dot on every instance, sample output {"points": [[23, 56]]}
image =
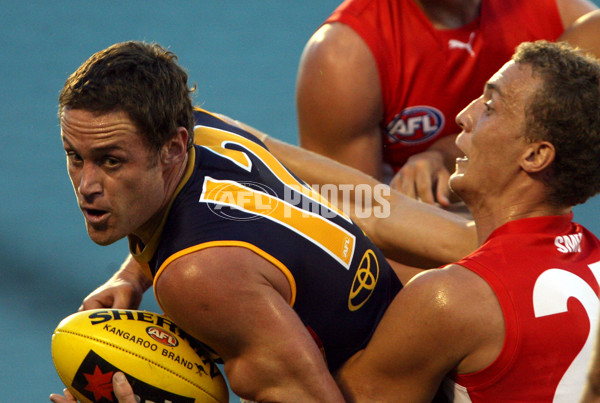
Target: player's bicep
{"points": [[571, 10], [339, 104], [425, 333], [585, 33], [400, 359], [222, 296], [211, 290]]}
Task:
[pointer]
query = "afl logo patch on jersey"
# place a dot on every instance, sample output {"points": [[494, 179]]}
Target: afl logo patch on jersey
{"points": [[239, 201], [415, 125]]}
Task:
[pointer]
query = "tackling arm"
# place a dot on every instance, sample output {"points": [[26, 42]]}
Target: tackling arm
{"points": [[414, 233], [411, 232], [432, 327]]}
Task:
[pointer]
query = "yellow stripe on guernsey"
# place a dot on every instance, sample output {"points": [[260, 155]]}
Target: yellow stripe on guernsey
{"points": [[241, 244], [215, 140], [325, 234], [328, 236]]}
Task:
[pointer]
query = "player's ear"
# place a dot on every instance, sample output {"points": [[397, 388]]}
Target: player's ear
{"points": [[538, 156], [175, 148]]}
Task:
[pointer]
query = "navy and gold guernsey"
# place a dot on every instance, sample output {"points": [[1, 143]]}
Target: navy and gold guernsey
{"points": [[235, 193]]}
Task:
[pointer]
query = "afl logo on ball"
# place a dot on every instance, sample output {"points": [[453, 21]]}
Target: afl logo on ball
{"points": [[415, 125], [162, 336]]}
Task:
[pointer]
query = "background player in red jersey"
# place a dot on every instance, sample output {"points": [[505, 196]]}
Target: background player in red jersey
{"points": [[379, 84]]}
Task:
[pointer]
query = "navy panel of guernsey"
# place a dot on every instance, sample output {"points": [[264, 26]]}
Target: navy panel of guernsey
{"points": [[235, 193]]}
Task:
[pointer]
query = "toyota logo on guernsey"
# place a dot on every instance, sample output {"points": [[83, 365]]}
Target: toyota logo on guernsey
{"points": [[415, 125]]}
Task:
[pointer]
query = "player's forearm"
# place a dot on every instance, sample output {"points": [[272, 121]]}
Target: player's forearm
{"points": [[421, 235], [286, 384], [406, 230], [311, 167], [124, 290], [357, 194], [318, 170]]}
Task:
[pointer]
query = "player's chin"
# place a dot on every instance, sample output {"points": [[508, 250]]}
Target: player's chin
{"points": [[455, 182], [103, 237]]}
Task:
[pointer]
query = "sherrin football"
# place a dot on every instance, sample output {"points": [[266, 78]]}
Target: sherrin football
{"points": [[162, 363]]}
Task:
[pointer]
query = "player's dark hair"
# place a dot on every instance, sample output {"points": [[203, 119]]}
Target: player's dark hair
{"points": [[141, 79], [566, 112]]}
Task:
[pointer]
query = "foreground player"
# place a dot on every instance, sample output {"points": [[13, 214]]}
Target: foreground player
{"points": [[242, 255]]}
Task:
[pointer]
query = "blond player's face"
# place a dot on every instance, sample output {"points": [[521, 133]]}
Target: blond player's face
{"points": [[493, 136], [117, 179]]}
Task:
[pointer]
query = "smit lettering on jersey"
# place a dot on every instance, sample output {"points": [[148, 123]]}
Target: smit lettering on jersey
{"points": [[255, 200], [568, 243], [415, 125]]}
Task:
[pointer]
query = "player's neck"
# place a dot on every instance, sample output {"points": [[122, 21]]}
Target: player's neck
{"points": [[449, 14], [488, 219]]}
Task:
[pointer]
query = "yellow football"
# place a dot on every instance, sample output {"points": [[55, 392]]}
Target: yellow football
{"points": [[162, 363]]}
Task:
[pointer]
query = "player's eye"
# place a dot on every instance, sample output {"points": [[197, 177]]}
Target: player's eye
{"points": [[73, 157], [488, 108], [111, 162]]}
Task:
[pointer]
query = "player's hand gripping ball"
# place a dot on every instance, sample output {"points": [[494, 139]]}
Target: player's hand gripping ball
{"points": [[162, 363]]}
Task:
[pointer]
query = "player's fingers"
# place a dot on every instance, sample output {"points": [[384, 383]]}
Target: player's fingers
{"points": [[122, 389], [67, 398], [443, 189], [405, 182], [125, 300], [93, 303], [396, 181], [424, 186], [69, 395]]}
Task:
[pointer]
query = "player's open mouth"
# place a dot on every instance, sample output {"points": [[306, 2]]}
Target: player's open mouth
{"points": [[461, 162], [94, 215]]}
